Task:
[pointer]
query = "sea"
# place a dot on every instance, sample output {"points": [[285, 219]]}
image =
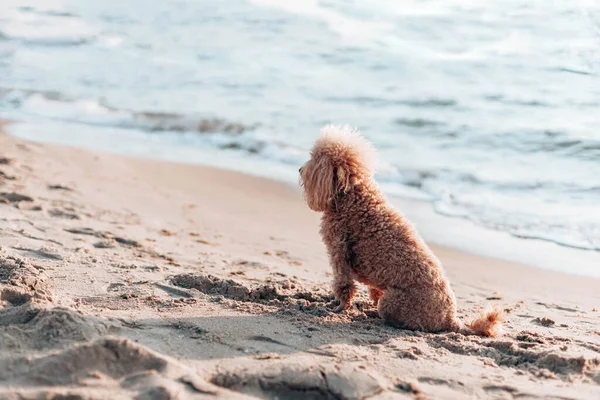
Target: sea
{"points": [[484, 112]]}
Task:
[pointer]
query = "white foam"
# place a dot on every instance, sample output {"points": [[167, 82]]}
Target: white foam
{"points": [[111, 41], [83, 111], [42, 29], [357, 30]]}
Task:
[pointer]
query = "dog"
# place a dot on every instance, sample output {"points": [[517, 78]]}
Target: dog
{"points": [[369, 242]]}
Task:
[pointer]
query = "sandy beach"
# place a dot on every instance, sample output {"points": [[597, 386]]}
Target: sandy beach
{"points": [[123, 277]]}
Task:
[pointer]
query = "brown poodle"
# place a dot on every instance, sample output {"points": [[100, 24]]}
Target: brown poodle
{"points": [[370, 242]]}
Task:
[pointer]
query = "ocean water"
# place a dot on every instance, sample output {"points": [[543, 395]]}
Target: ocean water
{"points": [[488, 110]]}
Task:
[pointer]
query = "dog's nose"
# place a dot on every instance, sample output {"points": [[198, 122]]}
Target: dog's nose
{"points": [[300, 170]]}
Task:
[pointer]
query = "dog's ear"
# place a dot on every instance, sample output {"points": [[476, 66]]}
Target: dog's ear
{"points": [[319, 179], [323, 182], [342, 180]]}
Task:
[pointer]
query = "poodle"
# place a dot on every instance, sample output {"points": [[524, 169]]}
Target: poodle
{"points": [[368, 241]]}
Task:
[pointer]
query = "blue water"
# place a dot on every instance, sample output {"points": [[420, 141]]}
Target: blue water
{"points": [[488, 110]]}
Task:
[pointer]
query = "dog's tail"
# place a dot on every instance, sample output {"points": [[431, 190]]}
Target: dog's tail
{"points": [[488, 323]]}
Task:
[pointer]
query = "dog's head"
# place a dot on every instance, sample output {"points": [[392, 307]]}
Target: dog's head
{"points": [[340, 160]]}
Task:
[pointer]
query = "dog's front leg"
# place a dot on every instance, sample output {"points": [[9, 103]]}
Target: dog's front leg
{"points": [[344, 288], [344, 292]]}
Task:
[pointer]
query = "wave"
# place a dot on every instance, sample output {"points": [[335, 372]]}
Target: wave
{"points": [[561, 212], [517, 102], [454, 193], [355, 30], [521, 141], [541, 141], [425, 178], [379, 101], [48, 12], [550, 222], [574, 237], [54, 105], [46, 28], [417, 122], [573, 71]]}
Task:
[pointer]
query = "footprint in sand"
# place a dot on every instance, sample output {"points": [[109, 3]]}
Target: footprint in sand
{"points": [[139, 370], [105, 244], [200, 239], [60, 187], [57, 213], [547, 322], [441, 381], [42, 253], [328, 380], [5, 176], [115, 287], [103, 235], [558, 307], [12, 197], [513, 392], [252, 264], [409, 387], [284, 255]]}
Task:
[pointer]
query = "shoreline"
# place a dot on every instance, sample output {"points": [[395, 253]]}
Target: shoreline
{"points": [[473, 238], [145, 275]]}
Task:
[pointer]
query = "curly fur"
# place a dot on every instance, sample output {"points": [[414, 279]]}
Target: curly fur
{"points": [[370, 242]]}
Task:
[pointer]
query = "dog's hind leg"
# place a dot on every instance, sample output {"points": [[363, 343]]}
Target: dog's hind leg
{"points": [[412, 309], [391, 308], [375, 295]]}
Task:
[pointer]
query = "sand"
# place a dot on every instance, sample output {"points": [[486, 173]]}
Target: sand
{"points": [[124, 277]]}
